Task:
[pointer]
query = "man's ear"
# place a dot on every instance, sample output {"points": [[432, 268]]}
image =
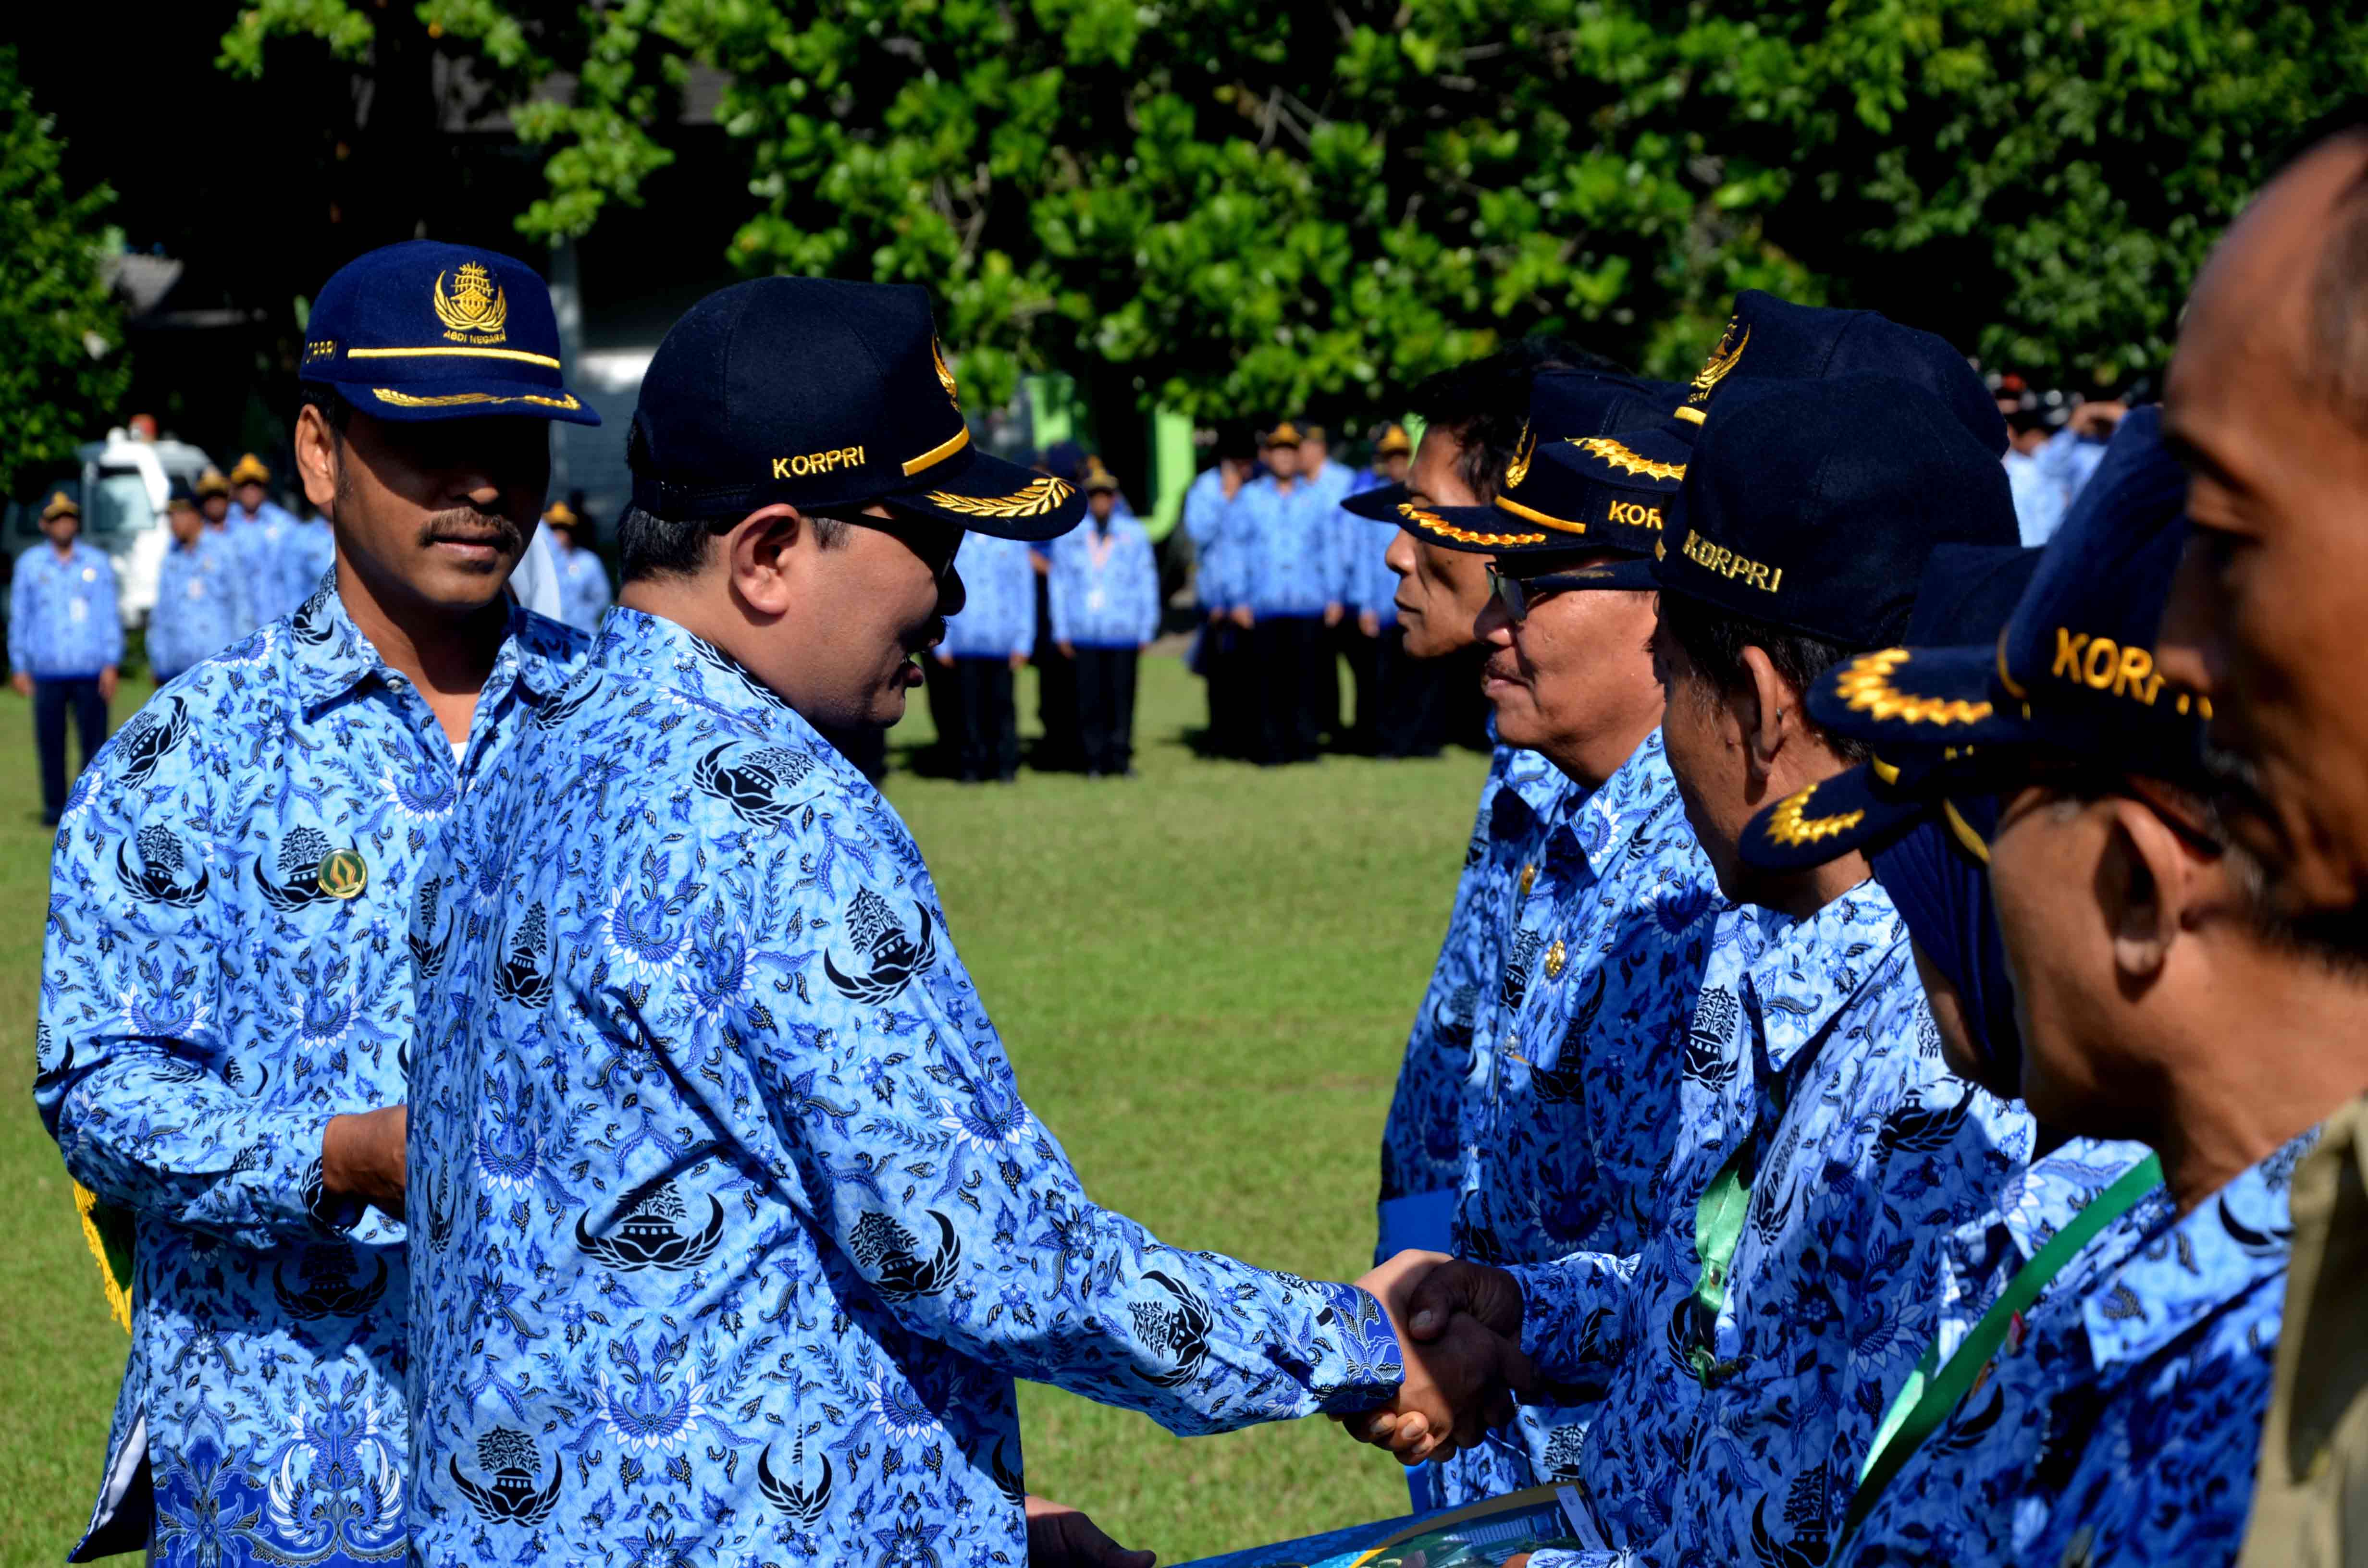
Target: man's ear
{"points": [[760, 558], [2147, 885], [317, 457], [1769, 710]]}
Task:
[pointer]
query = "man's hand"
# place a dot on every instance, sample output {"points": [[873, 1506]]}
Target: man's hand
{"points": [[20, 683], [945, 658], [1216, 614], [1369, 623], [361, 1157], [1241, 617], [1068, 649], [1462, 1372], [1018, 661], [107, 684], [1060, 1537], [1332, 614]]}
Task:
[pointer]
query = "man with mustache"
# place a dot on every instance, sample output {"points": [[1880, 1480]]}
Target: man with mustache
{"points": [[228, 1007], [2264, 406], [736, 1228]]}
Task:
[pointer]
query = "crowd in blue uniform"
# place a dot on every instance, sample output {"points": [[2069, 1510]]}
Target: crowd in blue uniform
{"points": [[1896, 999]]}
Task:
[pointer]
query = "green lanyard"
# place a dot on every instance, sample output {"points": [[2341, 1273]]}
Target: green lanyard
{"points": [[1718, 1229], [1926, 1401]]}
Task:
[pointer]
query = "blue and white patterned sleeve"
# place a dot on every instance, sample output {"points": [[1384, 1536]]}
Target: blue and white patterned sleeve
{"points": [[901, 1136], [134, 1018], [1143, 572], [1061, 589], [110, 634]]}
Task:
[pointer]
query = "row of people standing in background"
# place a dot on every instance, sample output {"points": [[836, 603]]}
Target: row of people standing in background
{"points": [[1099, 592], [1288, 584]]}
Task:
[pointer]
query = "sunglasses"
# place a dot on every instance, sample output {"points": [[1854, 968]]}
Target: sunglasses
{"points": [[1518, 593]]}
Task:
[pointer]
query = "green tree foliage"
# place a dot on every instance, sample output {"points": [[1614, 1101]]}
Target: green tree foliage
{"points": [[61, 369], [1231, 207]]}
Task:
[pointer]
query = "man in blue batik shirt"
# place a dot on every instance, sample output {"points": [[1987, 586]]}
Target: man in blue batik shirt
{"points": [[989, 641], [1822, 1153], [1277, 543], [266, 534], [737, 1230], [584, 593], [227, 1007], [201, 605], [1614, 910], [66, 643], [1218, 657], [2116, 1418], [1105, 594]]}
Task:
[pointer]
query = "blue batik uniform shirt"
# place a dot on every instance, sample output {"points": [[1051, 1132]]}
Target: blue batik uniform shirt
{"points": [[2119, 1422], [737, 1230], [1104, 587], [226, 967], [1205, 515], [1574, 1115], [62, 620], [998, 614], [201, 604], [1367, 584], [266, 538], [1282, 549], [1736, 1435], [582, 587]]}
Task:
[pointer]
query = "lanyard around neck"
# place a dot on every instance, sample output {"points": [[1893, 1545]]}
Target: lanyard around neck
{"points": [[1926, 1401]]}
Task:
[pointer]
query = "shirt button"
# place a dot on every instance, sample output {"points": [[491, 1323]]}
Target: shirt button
{"points": [[1528, 875], [1555, 959]]}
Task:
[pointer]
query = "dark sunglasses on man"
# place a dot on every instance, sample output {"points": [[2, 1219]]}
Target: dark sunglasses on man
{"points": [[1518, 593]]}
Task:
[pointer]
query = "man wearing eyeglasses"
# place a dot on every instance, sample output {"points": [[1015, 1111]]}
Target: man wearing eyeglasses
{"points": [[736, 1231], [1820, 1154]]}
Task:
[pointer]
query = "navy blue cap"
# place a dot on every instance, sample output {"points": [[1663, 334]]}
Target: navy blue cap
{"points": [[820, 394], [1968, 594], [1545, 507], [2073, 672], [1769, 338], [423, 330], [179, 495], [1813, 506]]}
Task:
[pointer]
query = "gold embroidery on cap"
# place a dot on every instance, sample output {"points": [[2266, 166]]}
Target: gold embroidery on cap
{"points": [[2102, 665], [1032, 500], [1721, 363], [476, 305], [1866, 685], [1626, 460], [1728, 563], [945, 377], [518, 354], [456, 400], [1790, 825], [1634, 514], [1432, 522], [1559, 524], [829, 461], [1523, 451], [939, 452]]}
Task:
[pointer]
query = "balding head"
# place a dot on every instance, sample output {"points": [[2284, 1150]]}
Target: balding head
{"points": [[2268, 403]]}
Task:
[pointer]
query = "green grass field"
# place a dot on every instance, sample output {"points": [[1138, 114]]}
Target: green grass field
{"points": [[1204, 977]]}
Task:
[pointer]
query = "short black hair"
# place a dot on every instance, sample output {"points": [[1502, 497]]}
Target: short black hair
{"points": [[1485, 404], [653, 546], [1714, 639], [334, 407]]}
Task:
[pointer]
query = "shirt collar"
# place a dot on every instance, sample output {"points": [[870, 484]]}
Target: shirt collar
{"points": [[2233, 1242], [1812, 969], [331, 656], [2043, 1198], [696, 672]]}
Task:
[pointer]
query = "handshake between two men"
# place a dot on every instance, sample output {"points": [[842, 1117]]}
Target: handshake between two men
{"points": [[1459, 1325]]}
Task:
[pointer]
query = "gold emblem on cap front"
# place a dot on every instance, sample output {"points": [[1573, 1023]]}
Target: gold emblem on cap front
{"points": [[344, 874], [1523, 451], [1722, 360], [1032, 500], [476, 309], [945, 377]]}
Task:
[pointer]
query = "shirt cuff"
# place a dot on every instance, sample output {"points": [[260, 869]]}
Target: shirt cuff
{"points": [[1372, 1364]]}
